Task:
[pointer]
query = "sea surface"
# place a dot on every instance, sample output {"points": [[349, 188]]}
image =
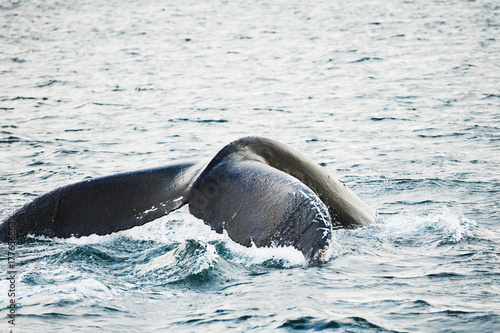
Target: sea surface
{"points": [[399, 99]]}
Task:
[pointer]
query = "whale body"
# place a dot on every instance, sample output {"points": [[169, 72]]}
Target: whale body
{"points": [[256, 189]]}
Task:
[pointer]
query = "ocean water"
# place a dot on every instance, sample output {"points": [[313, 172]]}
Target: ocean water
{"points": [[399, 99]]}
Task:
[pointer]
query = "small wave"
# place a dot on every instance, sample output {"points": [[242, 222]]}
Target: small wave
{"points": [[450, 226], [272, 257], [454, 227], [446, 275], [17, 98], [94, 254], [196, 262], [309, 323], [488, 96], [198, 120], [10, 139], [191, 262], [436, 136], [366, 59], [48, 83]]}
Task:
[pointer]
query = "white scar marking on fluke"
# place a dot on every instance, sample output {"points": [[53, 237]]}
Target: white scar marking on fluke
{"points": [[319, 212]]}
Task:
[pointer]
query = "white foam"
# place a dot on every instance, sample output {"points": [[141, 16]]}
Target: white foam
{"points": [[287, 256], [450, 224], [189, 227], [453, 225]]}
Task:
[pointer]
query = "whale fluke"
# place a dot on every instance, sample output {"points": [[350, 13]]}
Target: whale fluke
{"points": [[256, 189]]}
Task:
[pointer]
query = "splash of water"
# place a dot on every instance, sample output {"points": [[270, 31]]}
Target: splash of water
{"points": [[451, 226]]}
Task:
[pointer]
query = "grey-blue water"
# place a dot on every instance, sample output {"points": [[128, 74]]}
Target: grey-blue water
{"points": [[399, 99]]}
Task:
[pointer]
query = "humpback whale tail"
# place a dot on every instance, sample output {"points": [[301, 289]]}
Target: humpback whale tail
{"points": [[258, 190]]}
